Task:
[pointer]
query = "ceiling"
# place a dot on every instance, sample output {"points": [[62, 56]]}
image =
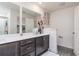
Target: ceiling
{"points": [[52, 6], [47, 6]]}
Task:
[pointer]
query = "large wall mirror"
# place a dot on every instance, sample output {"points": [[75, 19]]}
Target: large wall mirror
{"points": [[29, 19], [9, 18]]}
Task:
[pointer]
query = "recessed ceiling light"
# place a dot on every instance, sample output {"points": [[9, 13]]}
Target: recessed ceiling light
{"points": [[40, 2]]}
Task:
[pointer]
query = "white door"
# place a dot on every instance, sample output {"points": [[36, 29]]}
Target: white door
{"points": [[76, 30]]}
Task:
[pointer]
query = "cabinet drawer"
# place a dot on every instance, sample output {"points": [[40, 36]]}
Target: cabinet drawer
{"points": [[28, 41], [28, 48]]}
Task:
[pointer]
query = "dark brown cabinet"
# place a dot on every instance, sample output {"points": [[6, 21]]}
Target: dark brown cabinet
{"points": [[45, 42], [28, 47], [39, 45], [9, 49], [27, 41], [30, 54], [42, 44]]}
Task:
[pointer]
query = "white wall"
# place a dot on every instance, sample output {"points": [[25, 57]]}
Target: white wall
{"points": [[62, 20]]}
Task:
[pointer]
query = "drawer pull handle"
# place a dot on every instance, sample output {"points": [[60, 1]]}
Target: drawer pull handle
{"points": [[28, 48], [29, 42]]}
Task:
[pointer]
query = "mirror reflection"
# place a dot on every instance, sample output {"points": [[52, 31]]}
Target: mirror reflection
{"points": [[3, 25], [9, 18], [29, 19]]}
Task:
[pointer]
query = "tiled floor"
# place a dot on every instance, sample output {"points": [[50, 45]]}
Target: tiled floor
{"points": [[62, 51], [48, 53]]}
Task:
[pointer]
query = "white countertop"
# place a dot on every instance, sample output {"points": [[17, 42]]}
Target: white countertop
{"points": [[16, 37]]}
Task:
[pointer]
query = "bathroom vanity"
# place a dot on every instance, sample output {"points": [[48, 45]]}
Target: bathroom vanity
{"points": [[19, 32], [15, 21], [31, 46]]}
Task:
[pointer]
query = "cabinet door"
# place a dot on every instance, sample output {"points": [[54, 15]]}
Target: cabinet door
{"points": [[39, 45], [9, 49], [45, 42]]}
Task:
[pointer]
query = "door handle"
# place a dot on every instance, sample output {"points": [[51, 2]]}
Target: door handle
{"points": [[73, 33]]}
